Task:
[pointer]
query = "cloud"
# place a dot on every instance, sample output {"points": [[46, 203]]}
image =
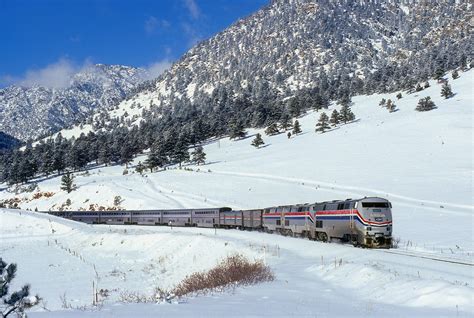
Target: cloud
{"points": [[157, 68], [152, 24], [6, 80], [56, 75], [192, 8]]}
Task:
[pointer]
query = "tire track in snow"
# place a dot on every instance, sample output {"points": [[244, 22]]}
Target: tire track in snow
{"points": [[359, 191], [188, 195]]}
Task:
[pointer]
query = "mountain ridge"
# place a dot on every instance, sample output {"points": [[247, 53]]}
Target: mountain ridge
{"points": [[29, 112]]}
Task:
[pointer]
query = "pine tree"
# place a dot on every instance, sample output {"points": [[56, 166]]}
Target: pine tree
{"points": [[285, 121], [199, 156], [180, 153], [346, 114], [439, 73], [126, 154], [18, 301], [258, 141], [272, 129], [323, 123], [418, 88], [295, 107], [391, 106], [446, 91], [455, 74], [399, 96], [425, 104], [382, 102], [67, 182], [140, 168], [334, 118], [296, 128], [156, 158], [426, 85], [59, 157], [237, 131]]}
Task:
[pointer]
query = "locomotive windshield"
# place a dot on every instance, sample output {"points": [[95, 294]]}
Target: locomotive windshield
{"points": [[375, 205]]}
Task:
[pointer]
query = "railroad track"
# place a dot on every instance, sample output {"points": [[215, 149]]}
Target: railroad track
{"points": [[437, 259]]}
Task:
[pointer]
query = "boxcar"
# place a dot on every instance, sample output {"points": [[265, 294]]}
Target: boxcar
{"points": [[252, 219], [230, 219]]}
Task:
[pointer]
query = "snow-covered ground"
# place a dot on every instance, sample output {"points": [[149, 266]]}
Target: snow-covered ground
{"points": [[312, 278], [422, 162]]}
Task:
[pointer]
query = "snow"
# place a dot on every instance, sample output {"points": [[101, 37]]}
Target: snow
{"points": [[312, 277], [421, 162]]}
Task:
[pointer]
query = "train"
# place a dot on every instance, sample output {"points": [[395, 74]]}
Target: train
{"points": [[365, 222]]}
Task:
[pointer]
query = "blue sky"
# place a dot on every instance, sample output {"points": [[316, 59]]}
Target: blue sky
{"points": [[40, 37]]}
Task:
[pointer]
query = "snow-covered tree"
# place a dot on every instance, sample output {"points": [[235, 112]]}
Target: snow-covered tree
{"points": [[156, 160], [199, 156], [180, 153], [346, 114], [126, 154], [446, 91], [272, 129], [67, 182], [334, 118], [17, 302], [140, 168], [285, 121], [323, 123], [237, 130], [391, 106], [296, 128], [382, 102], [257, 141], [425, 104], [455, 74]]}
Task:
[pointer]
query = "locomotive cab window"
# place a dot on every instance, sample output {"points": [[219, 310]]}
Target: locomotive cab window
{"points": [[375, 204]]}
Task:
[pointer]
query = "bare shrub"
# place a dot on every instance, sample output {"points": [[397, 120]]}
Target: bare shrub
{"points": [[158, 295], [235, 270]]}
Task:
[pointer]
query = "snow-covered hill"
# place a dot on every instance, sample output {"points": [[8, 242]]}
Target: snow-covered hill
{"points": [[32, 111]]}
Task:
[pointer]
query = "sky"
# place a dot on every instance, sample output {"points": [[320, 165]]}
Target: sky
{"points": [[43, 41]]}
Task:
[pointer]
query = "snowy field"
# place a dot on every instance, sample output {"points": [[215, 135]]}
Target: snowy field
{"points": [[313, 279], [421, 162]]}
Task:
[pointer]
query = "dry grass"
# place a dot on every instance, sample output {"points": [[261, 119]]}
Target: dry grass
{"points": [[233, 271]]}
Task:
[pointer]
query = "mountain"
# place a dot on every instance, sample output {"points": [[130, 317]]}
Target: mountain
{"points": [[31, 112], [269, 68], [7, 141], [308, 47]]}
